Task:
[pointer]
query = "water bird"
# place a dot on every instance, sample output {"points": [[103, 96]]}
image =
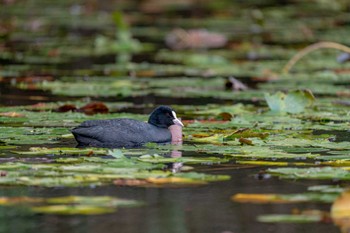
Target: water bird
{"points": [[124, 132]]}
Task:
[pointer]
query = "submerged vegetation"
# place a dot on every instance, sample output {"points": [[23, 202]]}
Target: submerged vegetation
{"points": [[66, 62]]}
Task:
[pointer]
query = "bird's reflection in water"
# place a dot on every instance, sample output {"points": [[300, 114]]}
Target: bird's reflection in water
{"points": [[175, 167], [176, 133]]}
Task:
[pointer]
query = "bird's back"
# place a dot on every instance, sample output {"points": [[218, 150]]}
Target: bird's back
{"points": [[119, 133]]}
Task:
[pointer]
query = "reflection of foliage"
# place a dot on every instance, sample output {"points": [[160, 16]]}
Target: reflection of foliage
{"points": [[68, 205]]}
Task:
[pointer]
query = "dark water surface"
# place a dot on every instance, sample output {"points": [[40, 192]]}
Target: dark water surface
{"points": [[204, 209]]}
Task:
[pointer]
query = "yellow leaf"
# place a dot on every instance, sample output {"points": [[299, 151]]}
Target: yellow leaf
{"points": [[341, 206], [257, 198], [340, 211]]}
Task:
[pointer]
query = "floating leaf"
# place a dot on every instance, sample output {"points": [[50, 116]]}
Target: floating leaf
{"points": [[174, 180], [20, 200], [62, 151], [66, 108], [190, 160], [340, 211], [288, 218], [257, 198], [246, 133], [341, 206], [94, 108], [312, 173], [327, 188], [284, 198], [293, 102], [85, 171], [118, 154], [72, 210]]}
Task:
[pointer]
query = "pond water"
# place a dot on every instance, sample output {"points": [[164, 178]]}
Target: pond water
{"points": [[192, 209], [242, 136]]}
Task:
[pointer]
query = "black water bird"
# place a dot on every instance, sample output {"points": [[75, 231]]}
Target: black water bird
{"points": [[124, 132]]}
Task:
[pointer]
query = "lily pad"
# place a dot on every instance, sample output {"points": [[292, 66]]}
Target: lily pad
{"points": [[72, 210], [321, 173], [288, 218], [86, 171], [293, 102], [285, 198]]}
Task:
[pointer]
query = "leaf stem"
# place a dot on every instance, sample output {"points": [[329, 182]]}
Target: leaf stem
{"points": [[313, 47]]}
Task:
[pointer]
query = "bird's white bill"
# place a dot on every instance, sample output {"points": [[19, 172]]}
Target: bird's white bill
{"points": [[177, 121]]}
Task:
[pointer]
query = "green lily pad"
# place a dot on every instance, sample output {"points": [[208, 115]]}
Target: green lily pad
{"points": [[293, 102], [321, 173], [62, 151], [84, 171], [288, 218], [189, 160]]}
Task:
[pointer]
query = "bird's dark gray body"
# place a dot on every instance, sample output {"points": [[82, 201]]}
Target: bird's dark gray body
{"points": [[120, 132]]}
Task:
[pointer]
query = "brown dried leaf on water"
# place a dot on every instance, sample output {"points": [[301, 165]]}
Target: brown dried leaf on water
{"points": [[88, 109], [67, 108], [34, 79], [11, 114], [194, 39], [246, 141], [53, 52], [225, 116], [94, 108], [3, 173]]}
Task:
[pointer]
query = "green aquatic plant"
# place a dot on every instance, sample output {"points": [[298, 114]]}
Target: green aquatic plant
{"points": [[290, 218], [85, 171], [315, 173], [292, 102], [123, 44]]}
